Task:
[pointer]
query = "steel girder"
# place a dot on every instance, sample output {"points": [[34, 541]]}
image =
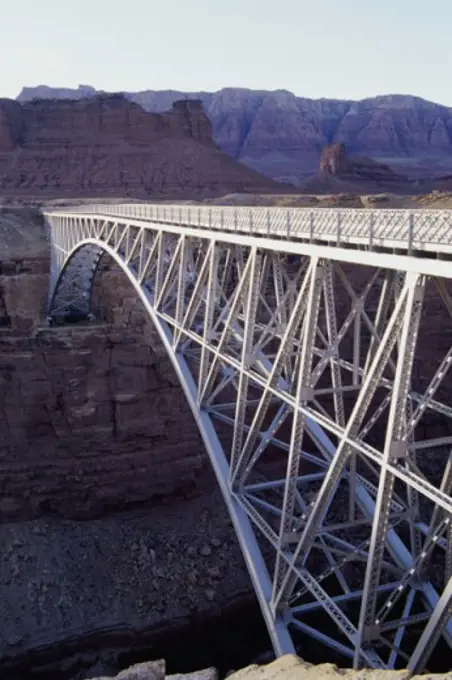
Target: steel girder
{"points": [[408, 231], [318, 412]]}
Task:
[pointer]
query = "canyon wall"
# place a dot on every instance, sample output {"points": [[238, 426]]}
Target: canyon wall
{"points": [[91, 417], [110, 146], [282, 135]]}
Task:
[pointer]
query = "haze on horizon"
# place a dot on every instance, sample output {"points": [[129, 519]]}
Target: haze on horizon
{"points": [[349, 49]]}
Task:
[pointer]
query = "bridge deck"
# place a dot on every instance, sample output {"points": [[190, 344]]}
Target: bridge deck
{"points": [[405, 231]]}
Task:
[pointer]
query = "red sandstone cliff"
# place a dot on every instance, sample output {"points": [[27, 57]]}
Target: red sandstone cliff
{"points": [[108, 145]]}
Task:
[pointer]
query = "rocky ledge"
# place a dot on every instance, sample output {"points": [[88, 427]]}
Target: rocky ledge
{"points": [[155, 670], [291, 667], [288, 667]]}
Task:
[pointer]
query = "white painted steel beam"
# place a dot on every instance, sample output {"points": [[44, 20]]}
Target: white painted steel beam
{"points": [[309, 380]]}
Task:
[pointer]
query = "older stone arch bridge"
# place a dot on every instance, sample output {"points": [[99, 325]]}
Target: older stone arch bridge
{"points": [[313, 347]]}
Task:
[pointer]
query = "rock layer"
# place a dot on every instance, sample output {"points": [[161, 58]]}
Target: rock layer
{"points": [[282, 135], [155, 670], [333, 159], [108, 145], [91, 417]]}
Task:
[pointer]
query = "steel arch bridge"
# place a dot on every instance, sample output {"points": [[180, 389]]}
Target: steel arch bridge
{"points": [[303, 342]]}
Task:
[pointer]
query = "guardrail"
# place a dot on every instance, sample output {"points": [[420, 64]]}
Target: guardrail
{"points": [[407, 229]]}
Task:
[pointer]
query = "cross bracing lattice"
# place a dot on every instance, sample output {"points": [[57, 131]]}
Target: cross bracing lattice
{"points": [[314, 349]]}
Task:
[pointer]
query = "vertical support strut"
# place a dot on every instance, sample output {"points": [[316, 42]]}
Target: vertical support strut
{"points": [[410, 457], [250, 299], [161, 247], [182, 281], [284, 351], [331, 327], [211, 297], [304, 393], [281, 302], [171, 272], [227, 330], [196, 299], [433, 631], [321, 504], [393, 450], [381, 315]]}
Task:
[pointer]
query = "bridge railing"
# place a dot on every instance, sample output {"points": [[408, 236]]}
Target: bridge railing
{"points": [[407, 229]]}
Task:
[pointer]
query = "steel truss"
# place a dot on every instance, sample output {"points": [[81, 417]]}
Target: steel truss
{"points": [[319, 413]]}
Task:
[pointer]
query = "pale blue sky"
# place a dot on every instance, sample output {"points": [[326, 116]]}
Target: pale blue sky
{"points": [[315, 48]]}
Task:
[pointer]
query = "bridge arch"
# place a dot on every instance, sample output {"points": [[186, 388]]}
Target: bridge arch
{"points": [[71, 291], [234, 306]]}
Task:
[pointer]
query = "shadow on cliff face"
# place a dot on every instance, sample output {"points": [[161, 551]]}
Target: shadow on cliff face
{"points": [[228, 641]]}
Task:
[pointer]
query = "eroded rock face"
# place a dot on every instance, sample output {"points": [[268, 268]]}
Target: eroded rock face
{"points": [[333, 159], [340, 172], [108, 120], [7, 141], [281, 134], [91, 417], [24, 267], [108, 145]]}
